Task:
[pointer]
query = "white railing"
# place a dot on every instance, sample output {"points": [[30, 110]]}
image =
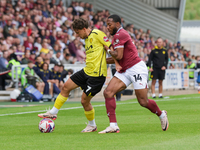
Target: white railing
{"points": [[177, 64]]}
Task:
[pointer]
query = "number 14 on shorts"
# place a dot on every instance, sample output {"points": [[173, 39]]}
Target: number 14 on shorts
{"points": [[137, 77]]}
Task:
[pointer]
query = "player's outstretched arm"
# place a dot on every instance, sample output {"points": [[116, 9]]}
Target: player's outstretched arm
{"points": [[111, 59]]}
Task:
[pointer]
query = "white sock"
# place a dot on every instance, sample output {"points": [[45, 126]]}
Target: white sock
{"points": [[113, 124], [92, 123], [162, 115], [153, 95], [160, 94], [54, 111]]}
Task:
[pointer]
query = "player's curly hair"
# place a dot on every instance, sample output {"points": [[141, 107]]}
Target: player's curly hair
{"points": [[79, 24]]}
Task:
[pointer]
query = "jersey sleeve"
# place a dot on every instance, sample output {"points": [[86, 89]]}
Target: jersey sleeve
{"points": [[119, 40], [103, 39]]}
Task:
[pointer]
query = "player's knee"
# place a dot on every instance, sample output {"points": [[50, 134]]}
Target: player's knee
{"points": [[108, 93], [143, 102], [65, 88], [84, 103]]}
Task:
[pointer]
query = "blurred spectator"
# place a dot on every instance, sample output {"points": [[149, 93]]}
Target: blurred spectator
{"points": [[3, 67], [45, 74], [193, 59], [33, 56], [29, 72], [57, 57], [67, 59], [198, 62], [191, 65], [63, 72], [26, 58], [56, 76], [7, 27], [178, 45], [29, 43], [52, 59], [38, 64], [72, 48], [80, 55], [37, 44], [13, 62], [171, 64], [44, 48], [185, 54]]}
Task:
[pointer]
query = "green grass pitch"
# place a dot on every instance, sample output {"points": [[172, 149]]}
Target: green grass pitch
{"points": [[139, 128]]}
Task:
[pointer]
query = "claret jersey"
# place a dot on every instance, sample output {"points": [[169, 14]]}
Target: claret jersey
{"points": [[130, 55]]}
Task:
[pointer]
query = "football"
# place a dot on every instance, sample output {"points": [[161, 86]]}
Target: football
{"points": [[46, 125]]}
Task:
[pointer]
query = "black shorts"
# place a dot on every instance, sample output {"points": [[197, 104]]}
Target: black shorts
{"points": [[90, 85], [158, 74]]}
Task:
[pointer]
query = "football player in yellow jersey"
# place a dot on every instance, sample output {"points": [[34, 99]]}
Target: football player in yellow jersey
{"points": [[91, 78]]}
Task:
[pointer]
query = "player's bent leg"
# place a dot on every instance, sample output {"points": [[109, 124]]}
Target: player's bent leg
{"points": [[141, 95], [89, 113], [60, 100], [114, 86]]}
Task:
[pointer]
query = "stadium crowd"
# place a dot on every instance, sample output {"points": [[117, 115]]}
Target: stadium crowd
{"points": [[41, 32]]}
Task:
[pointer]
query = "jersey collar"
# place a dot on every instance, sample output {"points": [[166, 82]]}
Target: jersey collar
{"points": [[119, 29], [89, 34], [156, 47]]}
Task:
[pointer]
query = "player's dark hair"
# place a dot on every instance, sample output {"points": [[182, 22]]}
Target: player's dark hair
{"points": [[115, 18], [80, 24]]}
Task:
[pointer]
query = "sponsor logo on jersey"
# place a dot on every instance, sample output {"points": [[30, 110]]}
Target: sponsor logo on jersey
{"points": [[105, 38], [163, 52], [116, 42], [88, 48]]}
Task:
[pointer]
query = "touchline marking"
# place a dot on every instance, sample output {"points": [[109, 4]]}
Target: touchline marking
{"points": [[30, 112]]}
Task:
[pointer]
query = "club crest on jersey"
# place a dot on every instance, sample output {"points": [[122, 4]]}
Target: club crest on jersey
{"points": [[163, 52], [116, 42], [105, 38], [91, 40]]}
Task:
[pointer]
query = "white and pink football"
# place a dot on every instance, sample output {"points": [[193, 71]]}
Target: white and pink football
{"points": [[46, 125]]}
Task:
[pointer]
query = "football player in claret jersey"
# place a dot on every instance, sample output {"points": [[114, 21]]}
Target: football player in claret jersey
{"points": [[91, 78], [133, 71]]}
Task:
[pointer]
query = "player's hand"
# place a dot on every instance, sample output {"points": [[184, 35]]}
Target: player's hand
{"points": [[150, 69], [84, 59], [118, 67], [163, 68]]}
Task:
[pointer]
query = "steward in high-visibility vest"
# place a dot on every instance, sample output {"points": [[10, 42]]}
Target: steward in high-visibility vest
{"points": [[149, 79], [29, 71], [14, 62], [191, 65], [23, 78]]}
